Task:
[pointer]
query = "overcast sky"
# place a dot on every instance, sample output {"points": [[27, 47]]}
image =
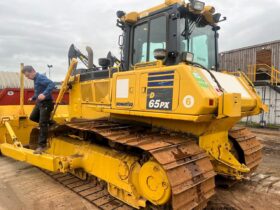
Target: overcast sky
{"points": [[39, 32]]}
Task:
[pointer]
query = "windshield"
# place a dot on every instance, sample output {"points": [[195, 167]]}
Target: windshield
{"points": [[200, 40]]}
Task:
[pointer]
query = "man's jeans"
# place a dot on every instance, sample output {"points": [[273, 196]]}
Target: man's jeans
{"points": [[41, 114]]}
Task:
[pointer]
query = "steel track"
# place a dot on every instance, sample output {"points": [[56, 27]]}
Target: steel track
{"points": [[91, 190], [250, 146], [187, 166]]}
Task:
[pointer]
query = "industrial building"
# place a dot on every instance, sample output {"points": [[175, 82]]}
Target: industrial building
{"points": [[266, 53], [261, 63], [12, 80]]}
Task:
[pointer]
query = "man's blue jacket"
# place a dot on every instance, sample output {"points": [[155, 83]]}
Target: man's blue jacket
{"points": [[43, 85]]}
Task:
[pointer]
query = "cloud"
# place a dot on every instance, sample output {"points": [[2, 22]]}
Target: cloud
{"points": [[40, 32], [249, 22]]}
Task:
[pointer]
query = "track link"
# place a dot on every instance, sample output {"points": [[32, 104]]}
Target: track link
{"points": [[91, 190], [250, 147], [187, 166]]}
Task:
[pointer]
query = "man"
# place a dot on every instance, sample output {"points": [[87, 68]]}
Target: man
{"points": [[41, 113]]}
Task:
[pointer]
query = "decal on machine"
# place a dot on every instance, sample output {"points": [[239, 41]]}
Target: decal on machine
{"points": [[188, 101], [122, 88], [127, 104], [200, 80], [160, 98], [160, 90]]}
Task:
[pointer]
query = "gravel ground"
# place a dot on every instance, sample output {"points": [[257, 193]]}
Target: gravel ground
{"points": [[262, 191]]}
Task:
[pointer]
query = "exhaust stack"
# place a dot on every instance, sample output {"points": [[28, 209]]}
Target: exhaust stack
{"points": [[90, 57]]}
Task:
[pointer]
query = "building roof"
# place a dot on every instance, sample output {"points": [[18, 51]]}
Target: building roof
{"points": [[12, 80], [252, 46]]}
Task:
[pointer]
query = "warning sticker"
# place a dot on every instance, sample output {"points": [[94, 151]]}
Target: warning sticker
{"points": [[200, 80]]}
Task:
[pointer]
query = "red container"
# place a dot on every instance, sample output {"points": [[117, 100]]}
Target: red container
{"points": [[11, 96]]}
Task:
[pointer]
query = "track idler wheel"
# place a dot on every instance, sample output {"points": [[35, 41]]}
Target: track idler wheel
{"points": [[154, 184]]}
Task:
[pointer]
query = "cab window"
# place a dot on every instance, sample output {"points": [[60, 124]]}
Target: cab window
{"points": [[157, 36], [140, 43], [148, 37]]}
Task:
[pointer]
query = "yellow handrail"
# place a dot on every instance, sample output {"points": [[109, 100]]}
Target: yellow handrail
{"points": [[269, 70], [275, 76], [251, 73], [64, 86]]}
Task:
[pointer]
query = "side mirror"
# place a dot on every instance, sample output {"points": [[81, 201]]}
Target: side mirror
{"points": [[120, 14], [160, 54], [121, 40], [104, 62], [217, 17]]}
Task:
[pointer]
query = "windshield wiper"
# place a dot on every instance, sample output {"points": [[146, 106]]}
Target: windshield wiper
{"points": [[185, 33], [190, 28]]}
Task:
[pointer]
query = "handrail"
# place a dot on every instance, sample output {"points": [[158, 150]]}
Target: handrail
{"points": [[269, 70], [65, 84], [275, 76]]}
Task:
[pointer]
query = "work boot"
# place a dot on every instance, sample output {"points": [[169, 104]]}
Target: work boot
{"points": [[40, 150]]}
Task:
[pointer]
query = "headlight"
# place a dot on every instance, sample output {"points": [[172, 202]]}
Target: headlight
{"points": [[187, 57], [160, 54]]}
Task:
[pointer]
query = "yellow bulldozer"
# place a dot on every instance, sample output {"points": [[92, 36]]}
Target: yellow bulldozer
{"points": [[153, 129]]}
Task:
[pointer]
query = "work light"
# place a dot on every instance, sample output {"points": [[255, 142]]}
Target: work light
{"points": [[198, 5], [160, 54], [187, 56]]}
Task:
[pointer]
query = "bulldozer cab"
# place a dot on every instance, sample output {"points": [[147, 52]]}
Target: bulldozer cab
{"points": [[173, 32]]}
